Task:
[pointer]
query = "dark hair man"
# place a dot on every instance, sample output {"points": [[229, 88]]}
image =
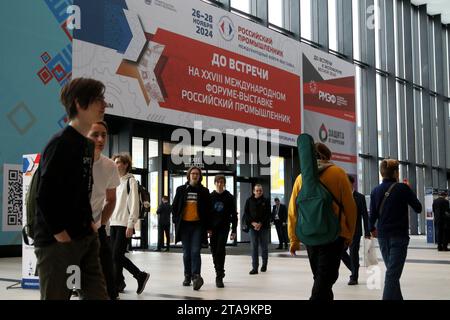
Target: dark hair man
{"points": [[65, 235], [441, 212], [279, 218], [223, 215], [389, 207], [352, 261], [257, 216], [163, 213]]}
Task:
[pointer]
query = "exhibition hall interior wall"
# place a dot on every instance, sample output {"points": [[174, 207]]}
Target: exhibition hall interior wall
{"points": [[36, 60]]}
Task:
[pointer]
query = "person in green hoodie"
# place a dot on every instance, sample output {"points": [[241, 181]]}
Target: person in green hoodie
{"points": [[223, 215]]}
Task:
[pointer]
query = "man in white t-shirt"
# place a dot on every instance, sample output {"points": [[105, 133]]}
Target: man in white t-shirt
{"points": [[103, 200]]}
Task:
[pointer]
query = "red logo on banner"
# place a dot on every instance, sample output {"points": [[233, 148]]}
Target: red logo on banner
{"points": [[335, 97]]}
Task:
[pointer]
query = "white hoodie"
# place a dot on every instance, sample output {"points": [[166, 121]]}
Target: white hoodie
{"points": [[126, 211]]}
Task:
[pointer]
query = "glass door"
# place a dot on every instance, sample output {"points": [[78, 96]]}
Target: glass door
{"points": [[175, 180], [153, 188]]}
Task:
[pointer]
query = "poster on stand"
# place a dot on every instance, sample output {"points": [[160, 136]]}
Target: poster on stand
{"points": [[429, 216], [30, 280]]}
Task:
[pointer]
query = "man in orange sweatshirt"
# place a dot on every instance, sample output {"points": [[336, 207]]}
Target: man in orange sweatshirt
{"points": [[325, 259]]}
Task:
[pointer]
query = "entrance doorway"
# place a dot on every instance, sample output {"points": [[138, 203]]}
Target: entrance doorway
{"points": [[178, 178]]}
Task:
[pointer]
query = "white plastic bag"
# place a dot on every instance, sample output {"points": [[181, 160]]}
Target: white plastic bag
{"points": [[370, 253]]}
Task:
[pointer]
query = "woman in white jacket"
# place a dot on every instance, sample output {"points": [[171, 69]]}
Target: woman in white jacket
{"points": [[123, 219]]}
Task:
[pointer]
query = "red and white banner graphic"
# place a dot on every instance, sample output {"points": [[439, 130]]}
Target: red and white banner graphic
{"points": [[329, 111], [186, 61]]}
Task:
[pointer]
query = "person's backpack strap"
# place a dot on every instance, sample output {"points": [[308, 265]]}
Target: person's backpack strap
{"points": [[128, 193], [341, 207], [30, 201], [386, 195], [25, 237]]}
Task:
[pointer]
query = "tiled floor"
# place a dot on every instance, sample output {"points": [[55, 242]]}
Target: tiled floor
{"points": [[426, 277]]}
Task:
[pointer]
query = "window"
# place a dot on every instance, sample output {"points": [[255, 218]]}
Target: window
{"points": [[153, 148], [241, 5], [418, 125], [358, 110], [356, 27], [381, 117], [332, 25], [277, 178], [276, 12], [379, 36], [137, 152], [306, 19]]}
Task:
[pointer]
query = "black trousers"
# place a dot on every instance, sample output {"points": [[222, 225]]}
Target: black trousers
{"points": [[218, 242], [281, 232], [163, 229], [324, 261], [352, 261], [106, 260], [119, 246], [441, 234]]}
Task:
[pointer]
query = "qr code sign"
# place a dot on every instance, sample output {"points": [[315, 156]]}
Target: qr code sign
{"points": [[12, 198]]}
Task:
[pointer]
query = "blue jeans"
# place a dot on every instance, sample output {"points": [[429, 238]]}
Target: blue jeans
{"points": [[259, 238], [394, 251], [191, 237]]}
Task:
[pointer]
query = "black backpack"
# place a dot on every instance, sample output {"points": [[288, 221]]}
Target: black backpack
{"points": [[31, 205], [144, 199]]}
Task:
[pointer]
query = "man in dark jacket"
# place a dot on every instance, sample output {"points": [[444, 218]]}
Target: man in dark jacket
{"points": [[223, 215], [65, 233], [257, 217], [440, 209], [279, 218], [389, 221], [352, 261], [163, 213], [191, 208]]}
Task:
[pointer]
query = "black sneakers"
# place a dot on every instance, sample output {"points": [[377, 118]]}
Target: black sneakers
{"points": [[352, 282], [187, 280], [264, 268], [253, 271], [197, 282], [121, 287], [142, 281], [219, 282]]}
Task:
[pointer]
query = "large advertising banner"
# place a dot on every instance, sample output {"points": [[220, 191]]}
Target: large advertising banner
{"points": [[329, 109], [30, 280], [177, 62]]}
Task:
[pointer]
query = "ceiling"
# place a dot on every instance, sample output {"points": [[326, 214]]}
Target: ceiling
{"points": [[436, 7]]}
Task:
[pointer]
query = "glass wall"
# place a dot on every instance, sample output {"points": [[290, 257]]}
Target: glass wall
{"points": [[277, 188], [153, 185], [401, 55]]}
